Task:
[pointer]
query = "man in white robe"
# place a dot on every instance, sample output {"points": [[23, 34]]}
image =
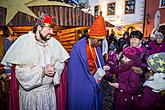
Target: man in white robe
{"points": [[39, 60]]}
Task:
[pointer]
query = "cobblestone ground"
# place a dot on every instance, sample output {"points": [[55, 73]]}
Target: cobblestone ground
{"points": [[107, 96]]}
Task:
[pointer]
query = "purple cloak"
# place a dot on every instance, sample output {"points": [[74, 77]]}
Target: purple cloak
{"points": [[83, 93]]}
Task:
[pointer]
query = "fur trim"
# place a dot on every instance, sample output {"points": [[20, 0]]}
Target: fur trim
{"points": [[137, 69]]}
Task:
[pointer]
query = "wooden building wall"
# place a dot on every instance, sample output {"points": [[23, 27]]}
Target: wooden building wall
{"points": [[64, 16], [68, 21], [67, 36]]}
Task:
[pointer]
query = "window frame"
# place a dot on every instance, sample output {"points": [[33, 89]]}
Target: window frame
{"points": [[95, 10], [162, 1], [108, 11], [130, 5]]}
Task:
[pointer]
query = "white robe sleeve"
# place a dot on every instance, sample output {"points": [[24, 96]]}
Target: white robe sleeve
{"points": [[29, 76], [59, 68], [104, 47]]}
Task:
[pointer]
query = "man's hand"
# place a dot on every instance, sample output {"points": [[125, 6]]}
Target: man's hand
{"points": [[49, 70], [116, 85], [106, 68]]}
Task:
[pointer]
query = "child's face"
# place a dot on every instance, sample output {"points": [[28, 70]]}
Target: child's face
{"points": [[125, 59]]}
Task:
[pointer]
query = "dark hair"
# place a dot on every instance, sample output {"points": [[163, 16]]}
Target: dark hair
{"points": [[41, 19], [85, 31], [126, 33], [112, 34], [35, 28], [136, 34], [6, 32]]}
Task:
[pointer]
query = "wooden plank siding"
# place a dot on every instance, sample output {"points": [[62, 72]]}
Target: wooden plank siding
{"points": [[64, 16], [66, 36], [68, 21]]}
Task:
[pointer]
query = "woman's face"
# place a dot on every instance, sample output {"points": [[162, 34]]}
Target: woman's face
{"points": [[135, 42], [159, 39]]}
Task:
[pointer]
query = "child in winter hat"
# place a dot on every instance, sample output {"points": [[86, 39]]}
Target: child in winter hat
{"points": [[131, 53], [157, 64], [127, 80], [153, 96]]}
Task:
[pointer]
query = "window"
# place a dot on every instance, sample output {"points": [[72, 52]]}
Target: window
{"points": [[162, 3], [111, 9], [129, 6], [96, 11]]}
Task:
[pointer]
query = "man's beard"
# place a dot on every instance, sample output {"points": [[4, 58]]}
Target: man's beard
{"points": [[45, 38]]}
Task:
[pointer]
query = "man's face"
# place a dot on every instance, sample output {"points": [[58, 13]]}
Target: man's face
{"points": [[45, 32], [134, 42], [96, 42]]}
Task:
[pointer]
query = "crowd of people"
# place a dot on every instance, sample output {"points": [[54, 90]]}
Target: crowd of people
{"points": [[36, 61], [136, 68]]}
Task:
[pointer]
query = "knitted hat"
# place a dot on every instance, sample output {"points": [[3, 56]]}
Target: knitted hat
{"points": [[98, 29], [131, 53], [157, 62]]}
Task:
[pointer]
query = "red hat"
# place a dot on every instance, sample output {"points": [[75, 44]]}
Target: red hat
{"points": [[98, 29], [131, 53], [45, 18]]}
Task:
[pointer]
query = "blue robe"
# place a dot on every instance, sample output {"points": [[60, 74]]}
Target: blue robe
{"points": [[7, 44], [83, 93]]}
